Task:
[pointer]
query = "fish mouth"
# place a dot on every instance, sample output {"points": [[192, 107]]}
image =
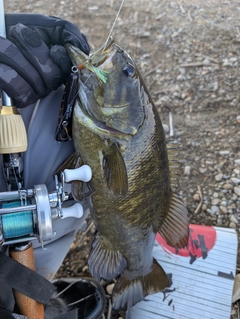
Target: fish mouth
{"points": [[96, 126], [91, 109], [95, 93]]}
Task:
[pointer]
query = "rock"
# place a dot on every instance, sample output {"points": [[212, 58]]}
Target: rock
{"points": [[215, 201], [223, 203], [215, 195], [236, 171], [219, 220], [206, 202], [237, 162], [183, 96], [109, 288], [219, 177], [202, 170], [236, 289], [182, 70], [233, 219], [93, 229], [93, 8], [73, 246], [224, 191], [187, 170], [237, 190], [178, 133], [206, 61], [85, 268], [181, 77], [204, 207], [226, 176], [232, 225], [209, 162], [166, 128], [214, 210], [227, 186], [234, 102], [223, 209], [196, 197], [235, 180], [233, 59], [225, 152]]}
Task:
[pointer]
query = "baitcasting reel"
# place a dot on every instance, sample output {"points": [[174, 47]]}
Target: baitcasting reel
{"points": [[27, 214]]}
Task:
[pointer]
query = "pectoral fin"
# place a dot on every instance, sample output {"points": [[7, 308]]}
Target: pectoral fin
{"points": [[115, 171], [174, 228], [81, 190], [73, 161]]}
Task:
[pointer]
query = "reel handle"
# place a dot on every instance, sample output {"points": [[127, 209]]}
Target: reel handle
{"points": [[83, 173], [75, 211]]}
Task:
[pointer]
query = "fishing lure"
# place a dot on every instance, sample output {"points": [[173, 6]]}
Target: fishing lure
{"points": [[100, 74], [91, 62]]}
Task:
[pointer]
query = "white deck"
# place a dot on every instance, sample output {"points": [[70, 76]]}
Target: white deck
{"points": [[202, 289]]}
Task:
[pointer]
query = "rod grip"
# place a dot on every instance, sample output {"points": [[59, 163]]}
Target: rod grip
{"points": [[25, 305]]}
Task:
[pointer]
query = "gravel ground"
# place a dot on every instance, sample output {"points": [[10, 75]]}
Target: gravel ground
{"points": [[188, 53]]}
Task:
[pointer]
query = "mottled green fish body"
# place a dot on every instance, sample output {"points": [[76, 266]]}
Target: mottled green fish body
{"points": [[118, 133]]}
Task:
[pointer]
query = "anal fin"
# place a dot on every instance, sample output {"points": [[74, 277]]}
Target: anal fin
{"points": [[103, 261], [129, 289], [175, 226]]}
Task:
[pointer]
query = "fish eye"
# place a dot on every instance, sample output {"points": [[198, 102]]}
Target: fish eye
{"points": [[129, 70]]}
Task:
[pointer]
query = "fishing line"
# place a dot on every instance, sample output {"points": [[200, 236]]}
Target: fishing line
{"points": [[114, 23], [104, 46], [109, 35]]}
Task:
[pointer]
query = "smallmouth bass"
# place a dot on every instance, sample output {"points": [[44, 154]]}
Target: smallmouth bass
{"points": [[117, 131]]}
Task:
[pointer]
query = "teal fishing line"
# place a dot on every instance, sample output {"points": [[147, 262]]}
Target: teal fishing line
{"points": [[16, 224]]}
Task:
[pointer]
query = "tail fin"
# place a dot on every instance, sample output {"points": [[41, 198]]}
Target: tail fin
{"points": [[131, 289]]}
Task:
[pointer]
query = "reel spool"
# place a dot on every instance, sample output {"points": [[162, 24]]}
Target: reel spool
{"points": [[27, 214]]}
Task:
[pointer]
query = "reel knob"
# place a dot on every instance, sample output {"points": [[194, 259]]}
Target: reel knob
{"points": [[75, 211], [83, 173]]}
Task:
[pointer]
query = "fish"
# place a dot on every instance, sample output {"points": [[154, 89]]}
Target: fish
{"points": [[117, 131]]}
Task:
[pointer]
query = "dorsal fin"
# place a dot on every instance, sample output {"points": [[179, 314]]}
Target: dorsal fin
{"points": [[174, 165]]}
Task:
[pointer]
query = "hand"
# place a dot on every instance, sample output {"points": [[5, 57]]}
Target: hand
{"points": [[33, 60]]}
